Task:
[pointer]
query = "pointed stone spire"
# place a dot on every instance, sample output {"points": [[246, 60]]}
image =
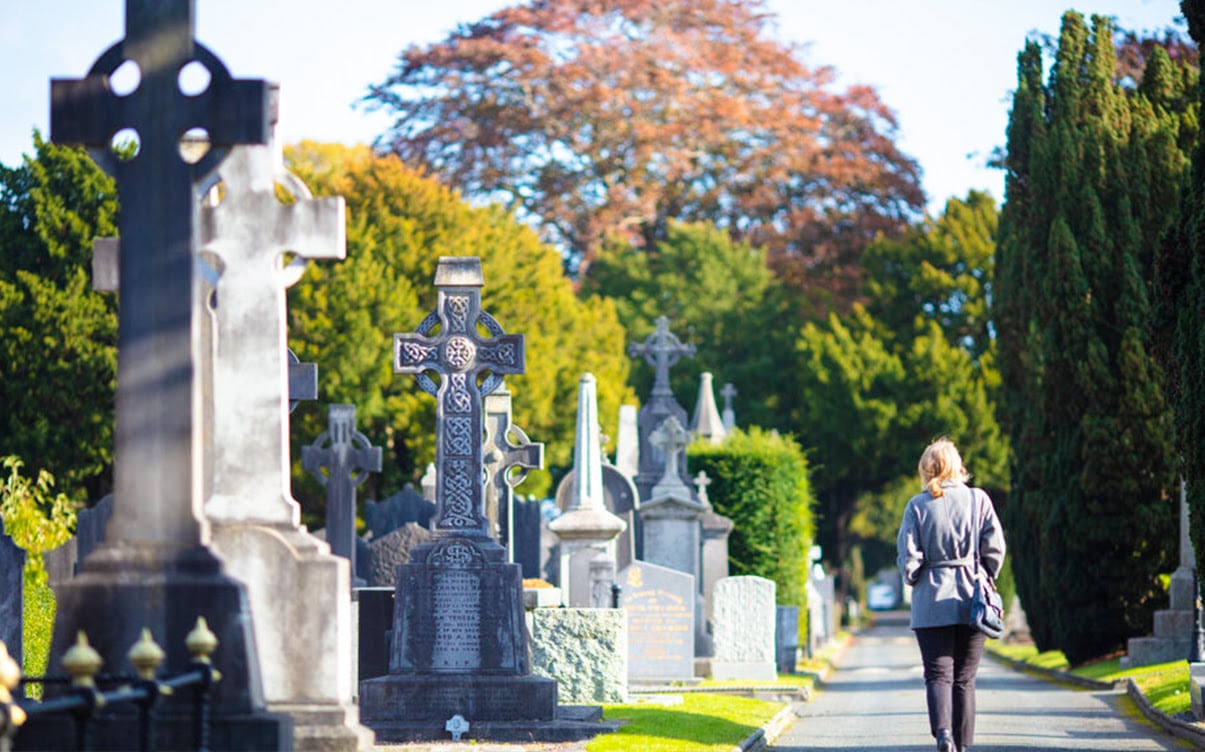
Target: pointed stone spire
{"points": [[706, 421], [586, 523]]}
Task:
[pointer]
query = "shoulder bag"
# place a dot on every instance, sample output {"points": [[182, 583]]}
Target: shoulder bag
{"points": [[987, 607]]}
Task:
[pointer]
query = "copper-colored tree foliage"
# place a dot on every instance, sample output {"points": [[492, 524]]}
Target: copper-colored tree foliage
{"points": [[591, 117]]}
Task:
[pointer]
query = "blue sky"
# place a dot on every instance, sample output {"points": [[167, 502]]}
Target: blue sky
{"points": [[946, 67]]}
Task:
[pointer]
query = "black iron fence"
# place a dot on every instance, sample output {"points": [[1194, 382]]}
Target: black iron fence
{"points": [[90, 692]]}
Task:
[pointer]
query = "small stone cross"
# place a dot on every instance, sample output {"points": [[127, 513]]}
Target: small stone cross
{"points": [[702, 481], [348, 457], [500, 455], [662, 349], [155, 463], [728, 416], [460, 356], [671, 437], [456, 726]]}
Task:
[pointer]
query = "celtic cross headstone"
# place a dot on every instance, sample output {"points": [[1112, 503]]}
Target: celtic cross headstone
{"points": [[459, 641], [671, 437], [154, 570], [459, 356], [662, 350], [341, 459], [500, 455]]}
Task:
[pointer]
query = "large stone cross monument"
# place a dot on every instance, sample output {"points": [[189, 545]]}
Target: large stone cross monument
{"points": [[460, 643], [256, 521], [154, 570], [500, 456], [662, 349]]}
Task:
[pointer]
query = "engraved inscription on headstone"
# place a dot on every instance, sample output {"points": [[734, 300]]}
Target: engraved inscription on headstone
{"points": [[456, 593], [661, 622]]}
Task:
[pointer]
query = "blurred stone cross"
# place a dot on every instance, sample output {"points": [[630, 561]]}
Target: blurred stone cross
{"points": [[499, 456], [662, 349], [671, 437], [347, 457], [728, 416], [460, 356], [248, 232], [154, 464]]}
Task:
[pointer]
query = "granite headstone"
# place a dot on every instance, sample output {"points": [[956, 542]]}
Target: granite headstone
{"points": [[744, 625], [659, 603], [407, 505]]}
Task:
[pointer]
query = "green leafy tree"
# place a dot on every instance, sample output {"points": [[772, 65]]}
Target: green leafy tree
{"points": [[719, 296], [759, 480], [914, 363], [1179, 306], [343, 315], [58, 339], [38, 520], [1092, 182]]}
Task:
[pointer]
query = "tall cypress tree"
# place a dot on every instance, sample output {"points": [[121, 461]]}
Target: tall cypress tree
{"points": [[1091, 520], [1180, 310]]}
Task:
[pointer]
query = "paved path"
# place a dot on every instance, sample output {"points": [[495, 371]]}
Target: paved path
{"points": [[875, 700]]}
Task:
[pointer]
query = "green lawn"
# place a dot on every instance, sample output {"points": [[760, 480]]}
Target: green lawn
{"points": [[1164, 684], [702, 723]]}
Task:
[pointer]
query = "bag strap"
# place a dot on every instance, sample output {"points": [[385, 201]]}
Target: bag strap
{"points": [[975, 530]]}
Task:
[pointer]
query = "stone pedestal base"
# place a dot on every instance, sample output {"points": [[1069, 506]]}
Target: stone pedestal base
{"points": [[123, 588], [1171, 641], [737, 670], [568, 722], [305, 652], [439, 697]]}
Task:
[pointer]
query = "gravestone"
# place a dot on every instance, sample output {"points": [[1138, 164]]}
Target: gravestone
{"points": [[662, 349], [715, 529], [627, 442], [500, 456], [706, 421], [1173, 626], [671, 516], [585, 650], [428, 483], [459, 642], [384, 554], [786, 638], [405, 506], [255, 520], [347, 457], [527, 525], [90, 524], [744, 627], [12, 594], [728, 416], [153, 569], [620, 498], [585, 530], [659, 603]]}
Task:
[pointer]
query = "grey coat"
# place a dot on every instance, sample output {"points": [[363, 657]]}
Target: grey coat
{"points": [[936, 555]]}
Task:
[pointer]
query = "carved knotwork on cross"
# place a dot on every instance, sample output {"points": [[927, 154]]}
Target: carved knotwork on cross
{"points": [[461, 357]]}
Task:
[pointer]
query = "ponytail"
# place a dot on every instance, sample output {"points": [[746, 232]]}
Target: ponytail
{"points": [[939, 464]]}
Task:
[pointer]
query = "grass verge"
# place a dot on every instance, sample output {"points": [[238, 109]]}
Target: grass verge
{"points": [[1164, 684], [702, 723]]}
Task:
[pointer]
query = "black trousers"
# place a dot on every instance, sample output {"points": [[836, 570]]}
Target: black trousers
{"points": [[951, 659]]}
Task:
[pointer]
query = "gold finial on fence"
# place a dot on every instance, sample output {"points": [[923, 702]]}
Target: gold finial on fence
{"points": [[82, 662], [10, 677], [146, 655], [201, 642]]}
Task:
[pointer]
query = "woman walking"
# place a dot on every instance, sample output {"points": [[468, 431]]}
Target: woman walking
{"points": [[936, 545]]}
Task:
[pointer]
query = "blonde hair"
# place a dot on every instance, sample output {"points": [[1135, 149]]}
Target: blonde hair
{"points": [[939, 463]]}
